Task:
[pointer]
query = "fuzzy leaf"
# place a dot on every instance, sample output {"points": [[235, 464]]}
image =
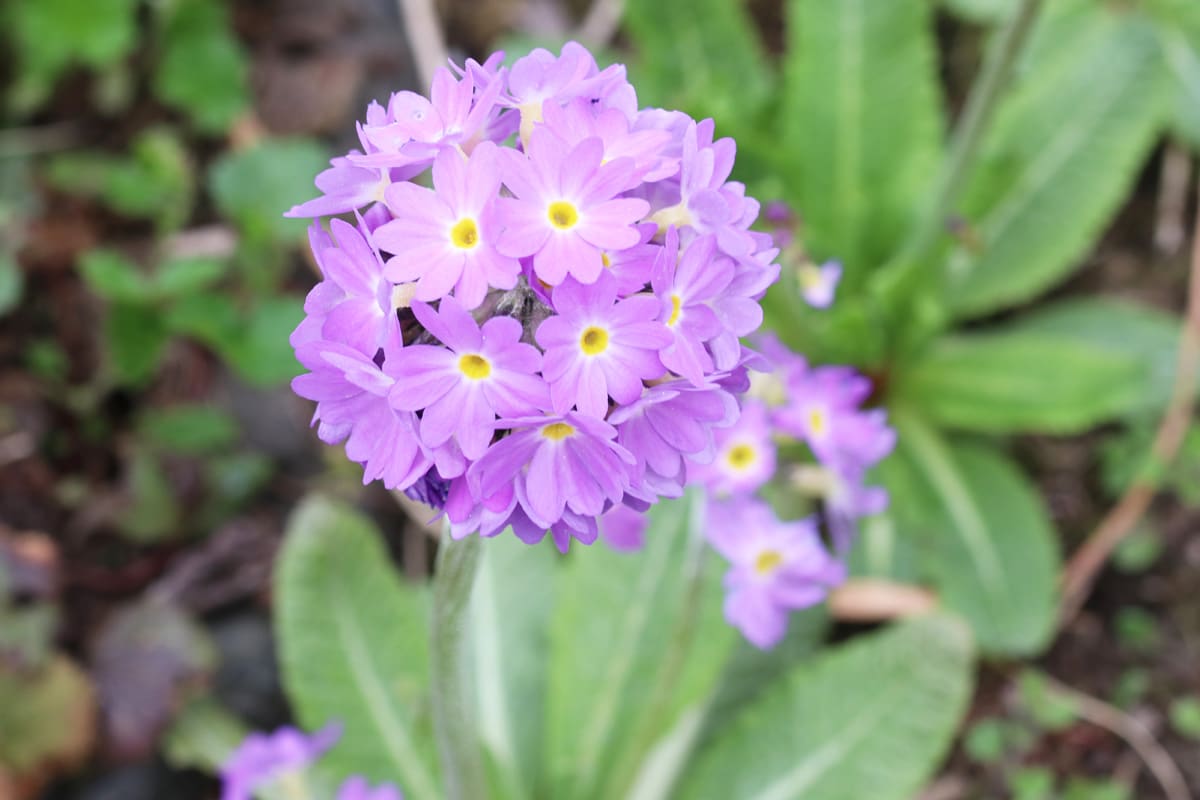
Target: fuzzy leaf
{"points": [[861, 119], [509, 617], [612, 635], [699, 55], [354, 647], [1047, 182], [1019, 380], [871, 718], [984, 538], [255, 186], [203, 70]]}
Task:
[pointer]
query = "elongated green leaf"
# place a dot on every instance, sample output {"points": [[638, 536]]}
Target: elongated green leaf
{"points": [[699, 55], [635, 638], [984, 537], [1059, 158], [1178, 23], [1123, 329], [509, 619], [1022, 380], [353, 646], [861, 122], [870, 719], [983, 12]]}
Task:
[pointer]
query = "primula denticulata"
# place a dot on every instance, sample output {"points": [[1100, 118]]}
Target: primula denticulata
{"points": [[535, 322]]}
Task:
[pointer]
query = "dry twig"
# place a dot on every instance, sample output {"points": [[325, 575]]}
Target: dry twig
{"points": [[1080, 573], [1137, 735]]}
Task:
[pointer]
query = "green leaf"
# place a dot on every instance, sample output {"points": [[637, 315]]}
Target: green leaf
{"points": [[621, 669], [50, 35], [700, 55], [509, 620], [1185, 716], [1049, 709], [136, 338], [861, 120], [210, 318], [192, 429], [261, 353], [1123, 329], [1047, 182], [981, 12], [183, 276], [152, 512], [983, 535], [354, 647], [871, 718], [255, 187], [1014, 379], [47, 717], [114, 277], [203, 69], [12, 283], [1178, 24]]}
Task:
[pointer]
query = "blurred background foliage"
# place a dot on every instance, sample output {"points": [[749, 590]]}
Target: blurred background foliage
{"points": [[1023, 340]]}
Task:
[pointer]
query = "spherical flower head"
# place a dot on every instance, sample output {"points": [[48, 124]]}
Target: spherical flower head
{"points": [[745, 455], [460, 388], [546, 327], [263, 758], [775, 567], [565, 211], [597, 348], [445, 238]]}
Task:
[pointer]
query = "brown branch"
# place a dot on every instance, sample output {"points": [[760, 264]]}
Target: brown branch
{"points": [[1137, 735], [1080, 573]]}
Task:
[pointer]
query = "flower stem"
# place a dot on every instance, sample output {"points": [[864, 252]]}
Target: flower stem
{"points": [[453, 721]]}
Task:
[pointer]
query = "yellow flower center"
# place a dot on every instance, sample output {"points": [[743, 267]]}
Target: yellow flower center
{"points": [[465, 233], [557, 431], [816, 422], [474, 366], [810, 277], [594, 341], [740, 456], [676, 307], [562, 215], [605, 260], [767, 562]]}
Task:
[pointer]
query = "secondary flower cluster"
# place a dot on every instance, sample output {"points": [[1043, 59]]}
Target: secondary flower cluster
{"points": [[779, 566], [536, 316], [265, 759]]}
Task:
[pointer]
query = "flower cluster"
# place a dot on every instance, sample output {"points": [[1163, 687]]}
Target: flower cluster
{"points": [[536, 315], [778, 566], [265, 759]]}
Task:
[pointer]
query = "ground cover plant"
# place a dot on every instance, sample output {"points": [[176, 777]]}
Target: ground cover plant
{"points": [[736, 417]]}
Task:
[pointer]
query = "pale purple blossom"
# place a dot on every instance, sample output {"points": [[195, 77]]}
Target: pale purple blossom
{"points": [[818, 284], [262, 758], [776, 567]]}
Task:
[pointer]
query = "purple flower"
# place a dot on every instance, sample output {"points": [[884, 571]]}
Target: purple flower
{"points": [[685, 285], [541, 77], [357, 787], [353, 304], [745, 457], [775, 567], [672, 423], [480, 373], [554, 463], [623, 528], [351, 393], [819, 284], [445, 237], [262, 758], [597, 348], [566, 209], [823, 410]]}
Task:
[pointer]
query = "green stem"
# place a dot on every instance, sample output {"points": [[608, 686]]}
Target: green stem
{"points": [[964, 148], [453, 720]]}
